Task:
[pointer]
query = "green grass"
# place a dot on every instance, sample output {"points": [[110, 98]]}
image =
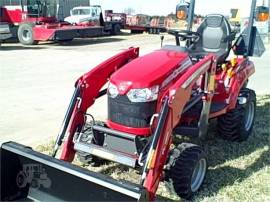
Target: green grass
{"points": [[237, 171]]}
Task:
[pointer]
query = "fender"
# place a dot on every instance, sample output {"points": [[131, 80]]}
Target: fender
{"points": [[245, 70]]}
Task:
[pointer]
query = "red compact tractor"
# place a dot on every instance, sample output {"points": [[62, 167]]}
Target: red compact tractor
{"points": [[173, 90]]}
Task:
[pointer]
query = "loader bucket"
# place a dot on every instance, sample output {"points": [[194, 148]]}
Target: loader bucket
{"points": [[26, 174]]}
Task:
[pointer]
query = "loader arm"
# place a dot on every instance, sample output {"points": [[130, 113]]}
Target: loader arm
{"points": [[175, 101], [88, 89]]}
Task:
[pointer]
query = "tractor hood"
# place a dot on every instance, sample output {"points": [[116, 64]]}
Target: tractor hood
{"points": [[157, 68]]}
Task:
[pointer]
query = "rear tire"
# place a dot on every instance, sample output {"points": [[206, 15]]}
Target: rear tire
{"points": [[116, 29], [25, 34], [237, 125], [187, 169]]}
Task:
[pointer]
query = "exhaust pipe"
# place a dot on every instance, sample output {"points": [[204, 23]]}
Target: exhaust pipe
{"points": [[26, 174]]}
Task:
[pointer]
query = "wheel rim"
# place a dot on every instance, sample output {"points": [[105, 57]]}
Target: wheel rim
{"points": [[249, 116], [26, 35], [198, 175]]}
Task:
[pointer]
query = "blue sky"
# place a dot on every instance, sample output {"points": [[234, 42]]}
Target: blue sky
{"points": [[163, 7]]}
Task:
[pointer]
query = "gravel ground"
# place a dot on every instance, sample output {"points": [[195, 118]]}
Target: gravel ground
{"points": [[36, 82]]}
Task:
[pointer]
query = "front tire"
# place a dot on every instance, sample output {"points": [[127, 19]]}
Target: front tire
{"points": [[94, 138], [237, 125], [187, 169], [26, 35], [116, 29], [84, 158]]}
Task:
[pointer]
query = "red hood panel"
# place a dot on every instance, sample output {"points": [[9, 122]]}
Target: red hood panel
{"points": [[149, 70]]}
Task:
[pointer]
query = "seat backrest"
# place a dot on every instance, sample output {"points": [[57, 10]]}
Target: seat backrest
{"points": [[215, 34]]}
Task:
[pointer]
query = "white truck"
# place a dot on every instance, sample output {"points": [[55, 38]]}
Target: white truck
{"points": [[4, 32], [84, 14], [92, 15]]}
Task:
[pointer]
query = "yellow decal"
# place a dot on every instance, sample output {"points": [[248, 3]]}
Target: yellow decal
{"points": [[224, 67], [211, 86], [234, 61], [152, 160], [230, 73]]}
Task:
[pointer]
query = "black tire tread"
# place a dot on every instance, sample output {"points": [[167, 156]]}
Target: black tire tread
{"points": [[22, 27], [181, 169], [88, 159], [116, 29], [231, 126]]}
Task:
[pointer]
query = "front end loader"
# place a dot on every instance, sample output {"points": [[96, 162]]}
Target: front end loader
{"points": [[55, 180], [175, 90]]}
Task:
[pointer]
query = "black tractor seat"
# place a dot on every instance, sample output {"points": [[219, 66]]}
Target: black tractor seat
{"points": [[215, 37]]}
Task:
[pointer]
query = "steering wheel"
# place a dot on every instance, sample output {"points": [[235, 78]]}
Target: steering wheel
{"points": [[184, 35]]}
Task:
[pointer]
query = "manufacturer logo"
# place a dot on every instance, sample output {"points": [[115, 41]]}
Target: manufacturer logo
{"points": [[124, 87]]}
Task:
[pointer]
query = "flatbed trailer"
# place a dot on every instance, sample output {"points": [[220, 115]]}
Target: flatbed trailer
{"points": [[139, 29], [143, 23], [64, 32], [4, 32], [32, 22]]}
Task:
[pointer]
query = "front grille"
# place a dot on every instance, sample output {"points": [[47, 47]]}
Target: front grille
{"points": [[127, 113]]}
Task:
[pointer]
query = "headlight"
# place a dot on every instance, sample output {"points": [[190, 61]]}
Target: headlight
{"points": [[113, 91], [143, 95]]}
